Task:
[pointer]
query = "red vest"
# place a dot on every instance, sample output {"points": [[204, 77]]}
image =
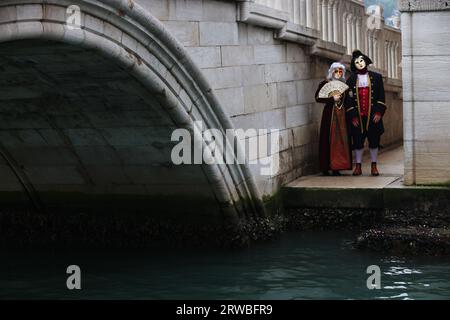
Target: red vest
{"points": [[364, 101]]}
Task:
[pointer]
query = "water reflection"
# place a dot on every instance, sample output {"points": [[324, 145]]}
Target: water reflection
{"points": [[296, 266]]}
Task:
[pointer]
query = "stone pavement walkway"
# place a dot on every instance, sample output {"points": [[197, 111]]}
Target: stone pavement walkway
{"points": [[390, 165]]}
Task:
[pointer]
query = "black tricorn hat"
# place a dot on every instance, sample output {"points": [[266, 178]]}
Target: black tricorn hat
{"points": [[356, 54]]}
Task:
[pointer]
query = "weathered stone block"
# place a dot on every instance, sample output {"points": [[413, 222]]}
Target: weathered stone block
{"points": [[9, 181], [17, 138], [253, 75], [158, 8], [260, 97], [275, 119], [232, 100], [287, 94], [270, 54], [218, 33], [191, 10], [286, 72], [298, 116], [54, 175], [305, 91], [54, 13], [259, 36], [249, 121], [97, 155], [205, 57], [237, 55], [29, 12], [43, 156], [221, 78], [295, 53], [431, 84], [219, 11], [185, 31], [85, 137], [304, 134], [8, 14]]}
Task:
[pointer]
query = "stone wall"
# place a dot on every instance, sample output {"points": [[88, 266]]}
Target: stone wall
{"points": [[393, 119], [426, 65], [262, 82]]}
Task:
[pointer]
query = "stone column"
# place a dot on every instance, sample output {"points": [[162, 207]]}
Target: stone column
{"points": [[330, 36], [358, 33], [391, 47], [393, 59], [319, 15], [344, 29], [354, 33], [385, 62], [302, 9], [325, 20], [364, 34], [369, 43], [335, 23], [309, 13], [397, 61], [349, 33], [375, 50], [294, 13], [394, 67], [389, 61]]}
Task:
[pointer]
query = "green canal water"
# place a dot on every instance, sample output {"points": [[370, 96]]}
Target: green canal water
{"points": [[295, 266]]}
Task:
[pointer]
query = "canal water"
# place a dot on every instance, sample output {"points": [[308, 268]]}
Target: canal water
{"points": [[303, 265]]}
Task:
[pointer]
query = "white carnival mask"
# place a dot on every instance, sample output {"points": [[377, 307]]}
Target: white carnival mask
{"points": [[360, 63]]}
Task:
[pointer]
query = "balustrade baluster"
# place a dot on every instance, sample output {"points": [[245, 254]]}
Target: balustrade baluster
{"points": [[309, 13]]}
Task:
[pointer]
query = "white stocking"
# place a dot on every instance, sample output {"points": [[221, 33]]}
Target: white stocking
{"points": [[359, 154], [374, 154]]}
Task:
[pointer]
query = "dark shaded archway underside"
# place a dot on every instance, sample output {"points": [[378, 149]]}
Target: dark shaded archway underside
{"points": [[78, 132]]}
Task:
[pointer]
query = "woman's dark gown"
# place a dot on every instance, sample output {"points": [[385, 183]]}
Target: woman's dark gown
{"points": [[334, 146]]}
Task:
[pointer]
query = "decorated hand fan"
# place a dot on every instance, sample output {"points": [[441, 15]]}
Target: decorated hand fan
{"points": [[332, 88]]}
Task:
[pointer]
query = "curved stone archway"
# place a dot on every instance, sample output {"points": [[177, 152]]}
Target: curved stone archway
{"points": [[87, 112]]}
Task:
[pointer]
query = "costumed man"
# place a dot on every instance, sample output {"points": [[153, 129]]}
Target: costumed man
{"points": [[366, 109], [334, 143]]}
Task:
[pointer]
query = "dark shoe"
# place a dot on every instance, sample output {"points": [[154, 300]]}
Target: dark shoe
{"points": [[336, 173], [357, 171], [375, 172], [325, 173]]}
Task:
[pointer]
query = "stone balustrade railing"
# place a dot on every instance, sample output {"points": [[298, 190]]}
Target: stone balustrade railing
{"points": [[332, 28], [300, 12]]}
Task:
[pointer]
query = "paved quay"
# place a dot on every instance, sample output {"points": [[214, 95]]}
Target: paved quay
{"points": [[386, 191], [390, 166]]}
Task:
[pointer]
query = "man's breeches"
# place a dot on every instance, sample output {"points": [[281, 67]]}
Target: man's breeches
{"points": [[372, 135]]}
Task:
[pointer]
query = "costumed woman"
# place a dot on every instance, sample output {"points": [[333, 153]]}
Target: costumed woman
{"points": [[334, 146]]}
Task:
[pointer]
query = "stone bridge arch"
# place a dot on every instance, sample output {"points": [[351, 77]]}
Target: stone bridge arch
{"points": [[84, 113]]}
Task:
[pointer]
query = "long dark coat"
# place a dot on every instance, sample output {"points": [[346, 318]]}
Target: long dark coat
{"points": [[377, 103]]}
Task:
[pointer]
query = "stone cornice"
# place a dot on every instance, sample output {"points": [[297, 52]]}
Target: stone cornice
{"points": [[263, 16], [423, 5]]}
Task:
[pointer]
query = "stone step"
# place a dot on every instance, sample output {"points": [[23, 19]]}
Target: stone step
{"points": [[393, 196]]}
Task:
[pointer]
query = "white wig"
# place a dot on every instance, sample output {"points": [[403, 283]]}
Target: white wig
{"points": [[334, 66]]}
